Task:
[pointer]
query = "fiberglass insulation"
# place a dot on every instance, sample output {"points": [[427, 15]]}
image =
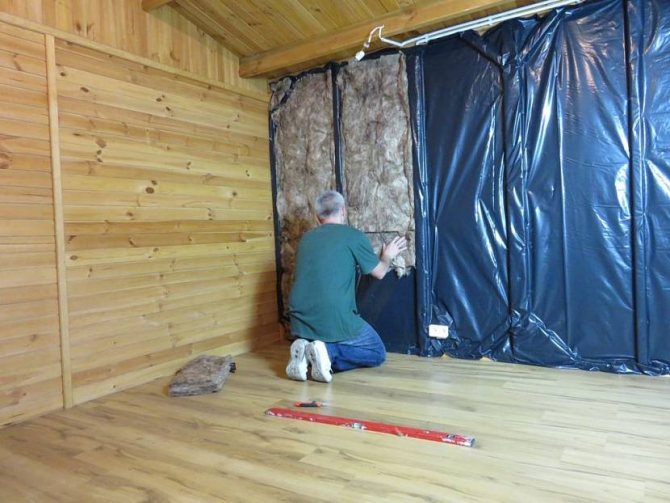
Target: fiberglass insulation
{"points": [[302, 118], [377, 152]]}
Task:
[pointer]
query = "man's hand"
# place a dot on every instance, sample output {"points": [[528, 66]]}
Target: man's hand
{"points": [[389, 251], [393, 248]]}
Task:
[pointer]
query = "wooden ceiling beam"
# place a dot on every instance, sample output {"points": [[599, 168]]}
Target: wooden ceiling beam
{"points": [[149, 5], [303, 55]]}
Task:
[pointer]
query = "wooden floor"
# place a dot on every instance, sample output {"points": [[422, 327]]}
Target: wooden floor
{"points": [[542, 435]]}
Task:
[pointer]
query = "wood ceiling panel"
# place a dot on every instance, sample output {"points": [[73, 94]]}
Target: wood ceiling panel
{"points": [[253, 20], [248, 27], [215, 19], [274, 37], [335, 15], [300, 19], [391, 5], [365, 10], [300, 23]]}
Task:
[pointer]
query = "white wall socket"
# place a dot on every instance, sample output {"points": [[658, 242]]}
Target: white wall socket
{"points": [[438, 331]]}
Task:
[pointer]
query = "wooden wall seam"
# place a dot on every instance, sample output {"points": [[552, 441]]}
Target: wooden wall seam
{"points": [[112, 51], [59, 224]]}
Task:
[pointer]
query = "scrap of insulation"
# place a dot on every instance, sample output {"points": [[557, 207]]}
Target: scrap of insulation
{"points": [[391, 429], [304, 151], [204, 374], [377, 152]]}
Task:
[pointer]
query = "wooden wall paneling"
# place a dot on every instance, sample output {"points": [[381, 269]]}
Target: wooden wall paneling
{"points": [[237, 115], [162, 207], [31, 377], [125, 122], [169, 244], [21, 62], [162, 36], [162, 210]]}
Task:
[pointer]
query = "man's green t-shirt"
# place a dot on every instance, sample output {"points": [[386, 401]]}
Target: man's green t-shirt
{"points": [[322, 304]]}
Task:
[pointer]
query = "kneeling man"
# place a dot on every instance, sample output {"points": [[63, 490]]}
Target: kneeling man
{"points": [[332, 336]]}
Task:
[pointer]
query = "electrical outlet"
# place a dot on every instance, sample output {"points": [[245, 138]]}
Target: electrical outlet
{"points": [[438, 331]]}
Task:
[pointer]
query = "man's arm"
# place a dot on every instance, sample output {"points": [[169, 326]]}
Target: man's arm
{"points": [[389, 251]]}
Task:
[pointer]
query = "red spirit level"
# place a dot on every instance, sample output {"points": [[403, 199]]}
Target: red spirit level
{"points": [[401, 431]]}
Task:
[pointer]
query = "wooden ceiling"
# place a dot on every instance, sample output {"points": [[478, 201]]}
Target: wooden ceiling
{"points": [[276, 37]]}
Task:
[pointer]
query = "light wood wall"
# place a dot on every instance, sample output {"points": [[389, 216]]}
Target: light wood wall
{"points": [[30, 362], [163, 35], [167, 248]]}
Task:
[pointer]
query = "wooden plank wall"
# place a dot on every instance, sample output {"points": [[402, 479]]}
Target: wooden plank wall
{"points": [[30, 360], [167, 210], [168, 220], [162, 35]]}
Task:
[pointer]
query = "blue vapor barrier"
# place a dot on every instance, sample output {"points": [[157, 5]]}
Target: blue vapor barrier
{"points": [[548, 174], [542, 193], [648, 42]]}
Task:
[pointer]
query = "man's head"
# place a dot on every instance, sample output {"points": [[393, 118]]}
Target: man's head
{"points": [[330, 208]]}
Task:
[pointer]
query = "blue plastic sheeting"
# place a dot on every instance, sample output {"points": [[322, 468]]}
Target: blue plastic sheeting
{"points": [[649, 42], [547, 180]]}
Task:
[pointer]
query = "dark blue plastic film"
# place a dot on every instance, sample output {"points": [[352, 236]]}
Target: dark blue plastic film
{"points": [[465, 192], [548, 173], [649, 41], [577, 183]]}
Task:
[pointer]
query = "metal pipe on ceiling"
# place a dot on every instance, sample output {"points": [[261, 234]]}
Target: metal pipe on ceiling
{"points": [[485, 22]]}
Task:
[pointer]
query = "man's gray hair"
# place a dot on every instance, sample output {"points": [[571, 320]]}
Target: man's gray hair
{"points": [[329, 203]]}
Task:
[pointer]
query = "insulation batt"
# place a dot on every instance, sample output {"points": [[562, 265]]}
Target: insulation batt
{"points": [[205, 374], [377, 152], [304, 151]]}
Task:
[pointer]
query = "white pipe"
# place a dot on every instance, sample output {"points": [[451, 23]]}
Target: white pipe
{"points": [[476, 24]]}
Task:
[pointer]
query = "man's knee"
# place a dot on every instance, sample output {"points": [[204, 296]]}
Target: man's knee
{"points": [[380, 356]]}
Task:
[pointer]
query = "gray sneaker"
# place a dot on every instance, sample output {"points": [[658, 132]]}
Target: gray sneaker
{"points": [[297, 364], [317, 355]]}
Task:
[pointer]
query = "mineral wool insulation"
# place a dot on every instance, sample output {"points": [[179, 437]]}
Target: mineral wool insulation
{"points": [[377, 152], [376, 155], [304, 149]]}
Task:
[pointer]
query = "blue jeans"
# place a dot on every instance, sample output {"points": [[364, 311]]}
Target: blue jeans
{"points": [[366, 349]]}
